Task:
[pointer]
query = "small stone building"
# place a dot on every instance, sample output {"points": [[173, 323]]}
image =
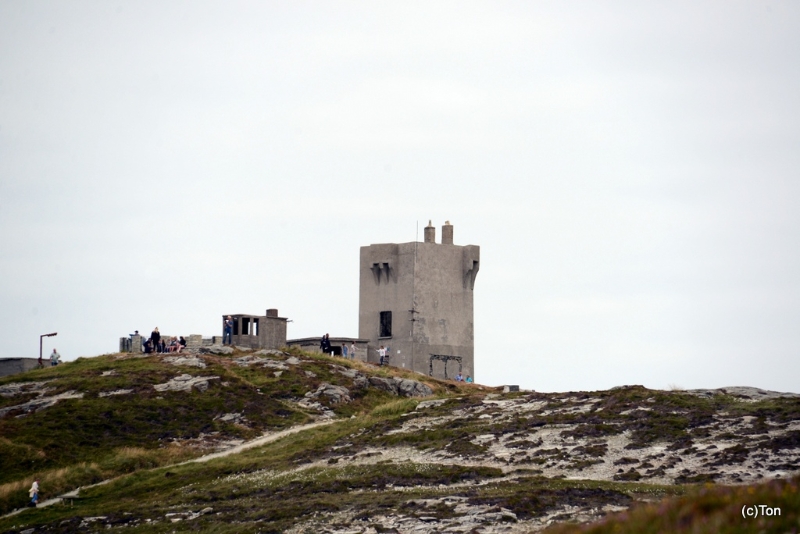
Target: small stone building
{"points": [[258, 331], [417, 300]]}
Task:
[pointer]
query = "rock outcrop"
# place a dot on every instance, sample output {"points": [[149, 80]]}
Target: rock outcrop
{"points": [[216, 349], [40, 403], [115, 392], [336, 394], [186, 383], [252, 359], [743, 392], [186, 361], [19, 388], [401, 386]]}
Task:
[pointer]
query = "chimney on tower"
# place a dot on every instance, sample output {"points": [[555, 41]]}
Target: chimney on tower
{"points": [[430, 233], [447, 233]]}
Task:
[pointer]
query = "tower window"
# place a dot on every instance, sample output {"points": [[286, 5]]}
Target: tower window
{"points": [[386, 324]]}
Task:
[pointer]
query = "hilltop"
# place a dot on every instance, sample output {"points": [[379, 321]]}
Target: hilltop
{"points": [[320, 444]]}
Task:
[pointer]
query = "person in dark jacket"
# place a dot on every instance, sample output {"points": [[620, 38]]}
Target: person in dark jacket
{"points": [[325, 344], [227, 335], [155, 337]]}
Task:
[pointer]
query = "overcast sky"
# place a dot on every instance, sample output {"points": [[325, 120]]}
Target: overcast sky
{"points": [[629, 170]]}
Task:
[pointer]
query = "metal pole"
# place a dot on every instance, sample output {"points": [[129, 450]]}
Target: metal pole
{"points": [[41, 363]]}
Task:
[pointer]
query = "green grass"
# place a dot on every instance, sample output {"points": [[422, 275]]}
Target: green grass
{"points": [[81, 430], [83, 441], [269, 488], [706, 510], [259, 490]]}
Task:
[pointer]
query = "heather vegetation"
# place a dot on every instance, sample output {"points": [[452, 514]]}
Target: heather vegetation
{"points": [[326, 444], [708, 509]]}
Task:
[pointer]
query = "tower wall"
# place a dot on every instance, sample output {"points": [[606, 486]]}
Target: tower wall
{"points": [[428, 288]]}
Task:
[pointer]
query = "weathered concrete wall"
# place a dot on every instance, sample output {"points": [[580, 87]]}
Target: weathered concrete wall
{"points": [[311, 344], [258, 331], [272, 332], [436, 281], [12, 366], [131, 343], [245, 341]]}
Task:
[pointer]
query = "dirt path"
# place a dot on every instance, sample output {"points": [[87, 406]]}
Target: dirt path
{"points": [[261, 440]]}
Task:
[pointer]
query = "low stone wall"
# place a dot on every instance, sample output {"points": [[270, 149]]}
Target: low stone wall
{"points": [[193, 341], [12, 366]]}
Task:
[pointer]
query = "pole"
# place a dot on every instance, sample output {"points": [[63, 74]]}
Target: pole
{"points": [[41, 363]]}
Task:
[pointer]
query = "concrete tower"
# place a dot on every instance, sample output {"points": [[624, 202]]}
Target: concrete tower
{"points": [[416, 299]]}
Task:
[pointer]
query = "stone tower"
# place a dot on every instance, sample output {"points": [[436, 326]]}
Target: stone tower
{"points": [[416, 299]]}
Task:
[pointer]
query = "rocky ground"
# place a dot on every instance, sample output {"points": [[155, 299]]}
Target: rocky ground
{"points": [[377, 451], [629, 434]]}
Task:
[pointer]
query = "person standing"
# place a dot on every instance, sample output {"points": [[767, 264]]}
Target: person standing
{"points": [[344, 350], [228, 331], [382, 354], [353, 350], [54, 358], [325, 345], [155, 336], [34, 493]]}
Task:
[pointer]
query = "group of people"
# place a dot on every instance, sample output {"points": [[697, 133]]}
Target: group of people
{"points": [[347, 352], [156, 343], [383, 355]]}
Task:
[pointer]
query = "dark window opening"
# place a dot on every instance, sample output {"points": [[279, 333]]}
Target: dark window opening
{"points": [[386, 324], [245, 326], [236, 327], [255, 327]]}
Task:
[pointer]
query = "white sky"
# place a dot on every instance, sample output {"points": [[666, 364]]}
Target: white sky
{"points": [[629, 169]]}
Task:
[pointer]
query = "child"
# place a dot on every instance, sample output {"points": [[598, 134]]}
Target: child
{"points": [[34, 493]]}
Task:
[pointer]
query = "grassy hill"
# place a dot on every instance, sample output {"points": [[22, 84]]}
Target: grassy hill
{"points": [[349, 447], [113, 420]]}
